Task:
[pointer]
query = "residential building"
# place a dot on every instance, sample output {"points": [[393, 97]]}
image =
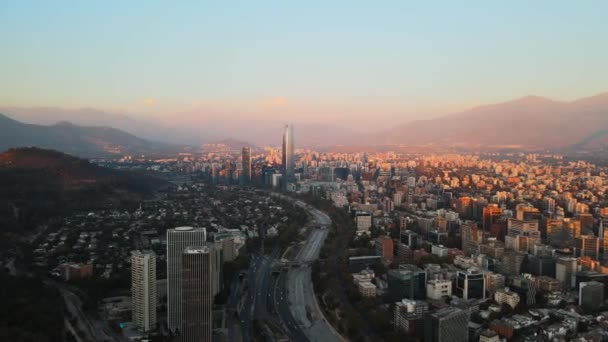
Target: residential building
{"points": [[143, 290]]}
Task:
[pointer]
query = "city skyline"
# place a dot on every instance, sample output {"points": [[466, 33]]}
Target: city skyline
{"points": [[448, 182]]}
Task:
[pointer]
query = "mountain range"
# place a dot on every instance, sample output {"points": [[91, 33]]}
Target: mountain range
{"points": [[95, 141], [531, 122]]}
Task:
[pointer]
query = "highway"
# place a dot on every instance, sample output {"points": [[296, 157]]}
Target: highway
{"points": [[303, 306], [285, 300]]}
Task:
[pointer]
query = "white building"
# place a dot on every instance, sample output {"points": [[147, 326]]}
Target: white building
{"points": [[439, 250], [364, 222], [438, 288], [143, 289], [506, 296]]}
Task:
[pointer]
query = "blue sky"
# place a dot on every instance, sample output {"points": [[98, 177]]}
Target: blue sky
{"points": [[393, 56]]}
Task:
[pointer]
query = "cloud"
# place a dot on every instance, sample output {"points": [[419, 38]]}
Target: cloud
{"points": [[275, 102], [149, 102]]}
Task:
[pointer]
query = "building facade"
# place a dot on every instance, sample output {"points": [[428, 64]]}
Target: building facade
{"points": [[178, 239], [197, 295], [143, 290]]}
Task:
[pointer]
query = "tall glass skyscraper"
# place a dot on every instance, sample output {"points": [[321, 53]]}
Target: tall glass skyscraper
{"points": [[178, 239], [288, 161], [197, 295], [246, 165]]}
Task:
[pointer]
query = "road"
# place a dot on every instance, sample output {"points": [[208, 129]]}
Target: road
{"points": [[93, 329], [303, 302], [286, 300]]}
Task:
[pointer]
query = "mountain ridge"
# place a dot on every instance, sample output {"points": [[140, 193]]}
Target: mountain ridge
{"points": [[84, 141]]}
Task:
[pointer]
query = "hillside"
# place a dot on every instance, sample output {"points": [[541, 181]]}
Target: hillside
{"points": [[37, 184], [531, 122], [72, 139]]}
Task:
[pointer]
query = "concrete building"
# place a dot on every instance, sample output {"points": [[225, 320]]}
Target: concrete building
{"points": [[363, 280], [76, 271], [565, 272], [439, 250], [363, 221], [384, 247], [494, 281], [408, 316], [591, 295], [436, 289], [197, 296], [178, 239], [143, 290], [447, 325], [506, 296], [489, 336]]}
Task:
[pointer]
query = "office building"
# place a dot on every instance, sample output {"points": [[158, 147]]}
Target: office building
{"points": [[471, 284], [197, 296], [288, 156], [143, 290], [408, 316], [246, 162], [591, 295], [406, 282], [588, 246], [409, 238], [491, 214], [178, 239], [565, 272], [447, 325]]}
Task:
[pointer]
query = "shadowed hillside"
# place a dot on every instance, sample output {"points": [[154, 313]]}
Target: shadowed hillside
{"points": [[37, 184]]}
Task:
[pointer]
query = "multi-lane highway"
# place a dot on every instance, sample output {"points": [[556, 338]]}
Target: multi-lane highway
{"points": [[285, 300], [303, 302]]}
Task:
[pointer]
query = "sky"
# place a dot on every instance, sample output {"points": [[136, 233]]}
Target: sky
{"points": [[367, 63]]}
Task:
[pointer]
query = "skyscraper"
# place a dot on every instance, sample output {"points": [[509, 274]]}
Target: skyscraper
{"points": [[197, 296], [288, 162], [143, 290], [447, 325], [246, 165], [178, 239]]}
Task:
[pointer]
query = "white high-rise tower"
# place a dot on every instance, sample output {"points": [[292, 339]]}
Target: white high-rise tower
{"points": [[143, 290]]}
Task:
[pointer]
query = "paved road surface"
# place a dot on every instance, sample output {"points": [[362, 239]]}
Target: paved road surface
{"points": [[303, 302]]}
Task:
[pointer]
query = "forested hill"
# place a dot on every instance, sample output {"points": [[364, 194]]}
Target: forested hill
{"points": [[38, 183]]}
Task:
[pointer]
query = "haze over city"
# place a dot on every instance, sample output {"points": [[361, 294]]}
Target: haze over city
{"points": [[357, 65]]}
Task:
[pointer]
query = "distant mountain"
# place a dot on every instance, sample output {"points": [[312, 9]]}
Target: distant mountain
{"points": [[37, 184], [147, 129], [76, 140], [531, 122]]}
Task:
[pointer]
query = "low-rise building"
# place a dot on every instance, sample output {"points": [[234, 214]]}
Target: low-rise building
{"points": [[506, 296]]}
